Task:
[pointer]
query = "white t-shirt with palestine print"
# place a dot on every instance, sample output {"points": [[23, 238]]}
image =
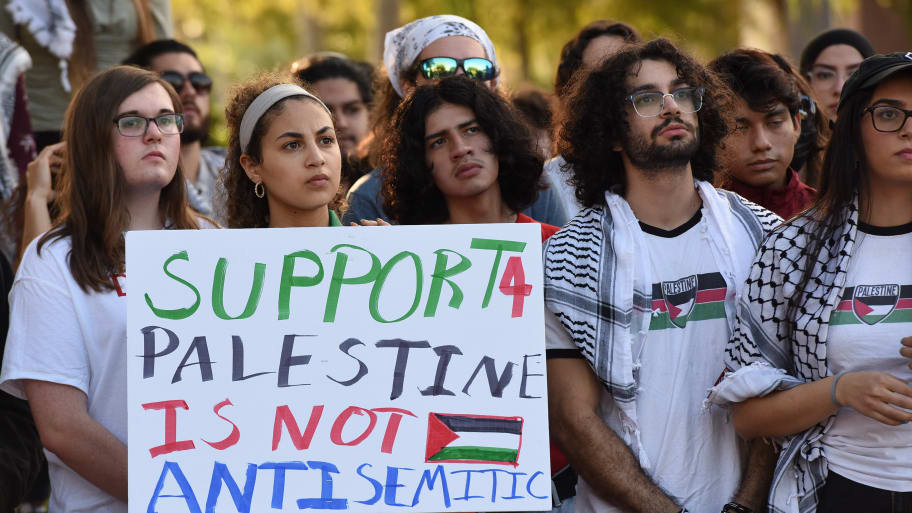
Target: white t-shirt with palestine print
{"points": [[874, 314], [694, 454]]}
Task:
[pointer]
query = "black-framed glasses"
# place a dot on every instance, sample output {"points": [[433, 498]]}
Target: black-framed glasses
{"points": [[650, 104], [200, 81], [131, 125], [886, 118], [476, 68]]}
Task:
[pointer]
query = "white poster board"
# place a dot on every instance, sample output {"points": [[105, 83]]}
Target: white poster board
{"points": [[361, 369]]}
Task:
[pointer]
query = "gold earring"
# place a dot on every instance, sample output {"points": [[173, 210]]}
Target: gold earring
{"points": [[259, 189]]}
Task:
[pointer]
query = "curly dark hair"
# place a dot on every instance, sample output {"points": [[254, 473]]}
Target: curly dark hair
{"points": [[571, 58], [595, 118], [244, 209], [410, 195]]}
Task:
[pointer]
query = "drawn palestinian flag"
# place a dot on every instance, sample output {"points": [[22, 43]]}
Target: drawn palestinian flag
{"points": [[696, 297], [872, 304], [473, 439]]}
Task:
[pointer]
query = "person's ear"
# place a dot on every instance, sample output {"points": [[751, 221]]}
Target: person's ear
{"points": [[251, 168]]}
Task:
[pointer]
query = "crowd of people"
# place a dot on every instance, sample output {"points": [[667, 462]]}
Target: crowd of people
{"points": [[728, 317]]}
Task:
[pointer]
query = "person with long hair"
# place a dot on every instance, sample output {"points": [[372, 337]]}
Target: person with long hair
{"points": [[284, 161], [821, 354], [423, 52], [66, 348], [459, 154]]}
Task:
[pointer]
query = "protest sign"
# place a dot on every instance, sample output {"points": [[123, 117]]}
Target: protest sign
{"points": [[361, 369]]}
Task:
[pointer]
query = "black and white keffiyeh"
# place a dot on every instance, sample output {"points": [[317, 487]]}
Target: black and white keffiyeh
{"points": [[766, 355], [598, 283]]}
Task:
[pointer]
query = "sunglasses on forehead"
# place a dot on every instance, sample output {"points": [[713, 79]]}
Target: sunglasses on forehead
{"points": [[476, 68], [200, 81]]}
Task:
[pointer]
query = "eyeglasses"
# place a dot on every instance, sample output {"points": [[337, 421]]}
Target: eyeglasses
{"points": [[131, 125], [200, 81], [476, 68], [650, 104], [888, 119]]}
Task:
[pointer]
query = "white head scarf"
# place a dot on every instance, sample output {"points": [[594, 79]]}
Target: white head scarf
{"points": [[403, 45]]}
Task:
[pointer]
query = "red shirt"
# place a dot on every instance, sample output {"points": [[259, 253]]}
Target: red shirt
{"points": [[547, 230], [786, 202]]}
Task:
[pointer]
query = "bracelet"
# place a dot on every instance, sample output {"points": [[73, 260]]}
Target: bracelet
{"points": [[734, 507], [833, 388]]}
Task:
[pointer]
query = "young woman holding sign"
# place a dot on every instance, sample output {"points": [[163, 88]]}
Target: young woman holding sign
{"points": [[68, 313], [822, 350], [284, 162]]}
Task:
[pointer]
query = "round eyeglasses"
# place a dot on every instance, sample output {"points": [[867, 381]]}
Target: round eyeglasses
{"points": [[651, 103], [888, 119], [131, 125]]}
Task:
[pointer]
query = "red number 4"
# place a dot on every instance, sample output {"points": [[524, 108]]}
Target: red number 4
{"points": [[513, 283]]}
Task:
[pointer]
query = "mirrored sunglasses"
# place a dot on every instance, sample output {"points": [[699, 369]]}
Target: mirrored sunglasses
{"points": [[476, 68]]}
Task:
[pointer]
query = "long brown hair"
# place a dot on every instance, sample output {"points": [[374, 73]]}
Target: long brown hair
{"points": [[845, 174], [83, 61], [92, 189]]}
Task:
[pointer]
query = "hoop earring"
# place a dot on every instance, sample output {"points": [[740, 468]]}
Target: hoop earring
{"points": [[259, 189]]}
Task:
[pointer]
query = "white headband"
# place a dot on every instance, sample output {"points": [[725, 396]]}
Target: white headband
{"points": [[264, 101]]}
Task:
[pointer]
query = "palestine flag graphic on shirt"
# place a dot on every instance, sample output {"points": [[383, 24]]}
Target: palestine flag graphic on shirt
{"points": [[697, 297], [871, 304], [473, 439]]}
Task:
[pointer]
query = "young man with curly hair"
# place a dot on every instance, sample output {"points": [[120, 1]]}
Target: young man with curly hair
{"points": [[641, 289], [459, 153]]}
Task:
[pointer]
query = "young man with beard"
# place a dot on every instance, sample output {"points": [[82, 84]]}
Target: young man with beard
{"points": [[641, 289], [757, 153], [178, 64]]}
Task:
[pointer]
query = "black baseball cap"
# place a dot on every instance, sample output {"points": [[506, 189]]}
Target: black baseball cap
{"points": [[873, 70]]}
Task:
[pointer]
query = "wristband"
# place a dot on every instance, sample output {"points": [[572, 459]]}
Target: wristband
{"points": [[833, 388], [734, 507]]}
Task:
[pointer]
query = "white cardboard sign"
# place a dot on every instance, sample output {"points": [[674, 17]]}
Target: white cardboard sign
{"points": [[360, 369]]}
